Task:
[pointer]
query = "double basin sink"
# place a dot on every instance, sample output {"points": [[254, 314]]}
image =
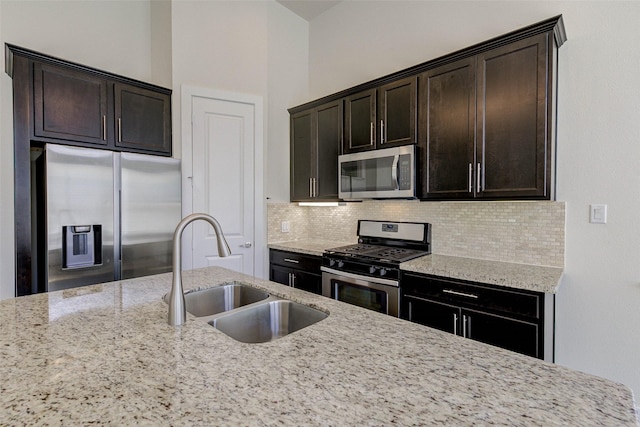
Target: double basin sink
{"points": [[247, 314]]}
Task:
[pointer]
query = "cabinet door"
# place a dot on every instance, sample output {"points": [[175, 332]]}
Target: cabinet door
{"points": [[70, 105], [280, 274], [397, 113], [512, 134], [307, 282], [301, 154], [143, 119], [433, 314], [329, 143], [447, 126], [519, 336], [360, 122]]}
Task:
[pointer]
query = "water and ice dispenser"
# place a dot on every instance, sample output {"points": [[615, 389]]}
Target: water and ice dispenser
{"points": [[81, 246]]}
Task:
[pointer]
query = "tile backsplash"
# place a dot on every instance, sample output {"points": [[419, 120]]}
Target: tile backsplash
{"points": [[522, 232]]}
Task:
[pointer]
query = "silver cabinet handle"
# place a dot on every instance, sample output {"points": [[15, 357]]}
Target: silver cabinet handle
{"points": [[455, 324], [371, 132], [468, 331], [479, 181], [310, 187], [289, 279], [246, 245], [295, 261], [470, 177], [381, 132], [464, 325], [410, 312], [119, 130], [293, 280], [460, 294], [104, 128], [315, 188]]}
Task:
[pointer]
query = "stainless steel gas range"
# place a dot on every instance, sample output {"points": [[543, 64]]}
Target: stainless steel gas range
{"points": [[367, 274]]}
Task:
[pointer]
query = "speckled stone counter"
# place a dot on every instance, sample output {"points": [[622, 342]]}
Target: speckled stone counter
{"points": [[521, 276], [104, 354], [511, 275], [309, 247]]}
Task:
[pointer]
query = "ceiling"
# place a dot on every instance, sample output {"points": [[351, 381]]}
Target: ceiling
{"points": [[308, 9]]}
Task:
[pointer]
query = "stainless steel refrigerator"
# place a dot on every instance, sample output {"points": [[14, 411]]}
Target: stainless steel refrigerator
{"points": [[109, 216]]}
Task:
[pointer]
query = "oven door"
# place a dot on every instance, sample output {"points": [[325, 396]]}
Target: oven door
{"points": [[381, 295]]}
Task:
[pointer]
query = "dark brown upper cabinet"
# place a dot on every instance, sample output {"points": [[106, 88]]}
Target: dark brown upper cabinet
{"points": [[381, 117], [483, 117], [70, 105], [143, 119], [316, 139], [360, 122], [514, 110], [447, 123], [77, 105], [486, 124]]}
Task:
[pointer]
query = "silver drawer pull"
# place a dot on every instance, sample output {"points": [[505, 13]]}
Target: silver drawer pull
{"points": [[460, 294], [292, 260]]}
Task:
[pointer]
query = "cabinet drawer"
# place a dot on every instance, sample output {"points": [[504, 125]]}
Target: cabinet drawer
{"points": [[473, 295], [309, 263]]}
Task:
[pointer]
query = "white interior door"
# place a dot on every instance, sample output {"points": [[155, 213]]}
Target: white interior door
{"points": [[223, 180]]}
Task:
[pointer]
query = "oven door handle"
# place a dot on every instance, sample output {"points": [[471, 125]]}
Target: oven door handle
{"points": [[344, 274]]}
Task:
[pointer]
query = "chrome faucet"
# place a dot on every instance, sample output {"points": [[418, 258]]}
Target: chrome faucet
{"points": [[177, 313]]}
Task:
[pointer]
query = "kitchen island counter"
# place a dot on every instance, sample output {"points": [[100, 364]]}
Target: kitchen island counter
{"points": [[105, 354]]}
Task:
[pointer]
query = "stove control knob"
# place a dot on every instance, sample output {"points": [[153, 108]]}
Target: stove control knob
{"points": [[340, 264], [372, 269], [332, 262], [383, 271]]}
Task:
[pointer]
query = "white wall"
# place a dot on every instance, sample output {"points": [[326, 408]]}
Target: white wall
{"points": [[252, 47], [598, 306], [112, 36]]}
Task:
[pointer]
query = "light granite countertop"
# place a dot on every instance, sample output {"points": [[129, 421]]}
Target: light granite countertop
{"points": [[104, 354], [511, 275], [309, 247]]}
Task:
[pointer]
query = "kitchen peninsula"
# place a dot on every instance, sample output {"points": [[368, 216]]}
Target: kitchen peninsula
{"points": [[105, 354]]}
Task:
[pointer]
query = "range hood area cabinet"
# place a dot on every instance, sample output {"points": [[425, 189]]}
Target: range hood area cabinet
{"points": [[77, 105], [316, 140], [382, 117], [485, 120], [486, 124]]}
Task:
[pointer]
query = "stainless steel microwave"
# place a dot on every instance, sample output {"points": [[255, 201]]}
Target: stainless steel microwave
{"points": [[379, 174]]}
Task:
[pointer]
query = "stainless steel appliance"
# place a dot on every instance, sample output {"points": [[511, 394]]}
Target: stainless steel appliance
{"points": [[367, 273], [109, 216], [378, 174]]}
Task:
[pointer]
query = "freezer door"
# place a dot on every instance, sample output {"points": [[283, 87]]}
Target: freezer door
{"points": [[150, 211], [79, 202]]}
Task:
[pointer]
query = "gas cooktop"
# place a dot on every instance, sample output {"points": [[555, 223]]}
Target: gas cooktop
{"points": [[377, 252]]}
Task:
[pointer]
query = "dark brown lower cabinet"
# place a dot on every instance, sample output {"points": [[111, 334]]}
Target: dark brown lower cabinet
{"points": [[517, 320], [296, 270]]}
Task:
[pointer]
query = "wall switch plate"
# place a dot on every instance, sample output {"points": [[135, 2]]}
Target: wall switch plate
{"points": [[598, 214], [285, 227]]}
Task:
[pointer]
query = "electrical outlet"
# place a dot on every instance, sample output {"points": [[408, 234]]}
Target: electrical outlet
{"points": [[598, 214], [285, 226]]}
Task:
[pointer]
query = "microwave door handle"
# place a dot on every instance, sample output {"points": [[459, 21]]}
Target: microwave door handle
{"points": [[394, 172]]}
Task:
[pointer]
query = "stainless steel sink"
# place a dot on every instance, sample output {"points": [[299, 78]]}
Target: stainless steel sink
{"points": [[207, 302], [267, 321]]}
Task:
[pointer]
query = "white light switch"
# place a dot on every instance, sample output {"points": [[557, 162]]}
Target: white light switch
{"points": [[598, 214], [284, 226]]}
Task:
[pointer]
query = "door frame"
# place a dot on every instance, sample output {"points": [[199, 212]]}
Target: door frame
{"points": [[260, 219]]}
